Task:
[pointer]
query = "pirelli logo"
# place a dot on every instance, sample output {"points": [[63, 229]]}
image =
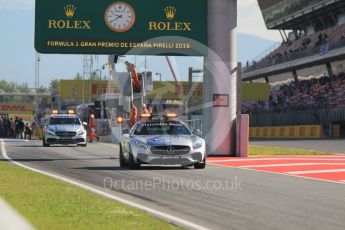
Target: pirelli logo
{"points": [[220, 100]]}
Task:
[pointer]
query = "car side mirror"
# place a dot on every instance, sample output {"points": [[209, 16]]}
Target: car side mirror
{"points": [[84, 124], [197, 132], [125, 131]]}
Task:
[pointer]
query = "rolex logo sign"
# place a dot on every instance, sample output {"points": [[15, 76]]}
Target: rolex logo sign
{"points": [[69, 24], [70, 10], [172, 24], [170, 12]]}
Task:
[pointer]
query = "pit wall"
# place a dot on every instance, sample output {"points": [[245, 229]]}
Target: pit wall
{"points": [[286, 132]]}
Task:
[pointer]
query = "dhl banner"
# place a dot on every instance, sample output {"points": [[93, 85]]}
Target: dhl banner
{"points": [[16, 108], [21, 110], [25, 116], [301, 131]]}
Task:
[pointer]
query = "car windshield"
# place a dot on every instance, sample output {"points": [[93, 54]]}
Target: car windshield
{"points": [[162, 128], [64, 121]]}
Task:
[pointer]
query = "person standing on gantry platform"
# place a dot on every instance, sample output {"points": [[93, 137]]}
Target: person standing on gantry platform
{"points": [[92, 128]]}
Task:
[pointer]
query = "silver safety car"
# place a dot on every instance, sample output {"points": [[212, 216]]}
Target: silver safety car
{"points": [[64, 129], [162, 140]]}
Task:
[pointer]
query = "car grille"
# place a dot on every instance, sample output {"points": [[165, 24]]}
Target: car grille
{"points": [[66, 134], [170, 150]]}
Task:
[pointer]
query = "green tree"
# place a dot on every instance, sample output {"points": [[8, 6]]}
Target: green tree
{"points": [[54, 87], [14, 86], [24, 87], [42, 89], [78, 77]]}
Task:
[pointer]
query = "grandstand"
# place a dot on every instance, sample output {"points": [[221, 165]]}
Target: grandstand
{"points": [[306, 71]]}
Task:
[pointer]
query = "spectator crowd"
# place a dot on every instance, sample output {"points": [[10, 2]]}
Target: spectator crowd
{"points": [[16, 128], [320, 42], [327, 92]]}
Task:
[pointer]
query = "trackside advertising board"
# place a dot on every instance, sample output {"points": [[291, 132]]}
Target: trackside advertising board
{"points": [[140, 27], [21, 110], [301, 131]]}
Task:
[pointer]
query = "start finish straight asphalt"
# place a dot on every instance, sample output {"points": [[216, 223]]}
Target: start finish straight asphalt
{"points": [[216, 198]]}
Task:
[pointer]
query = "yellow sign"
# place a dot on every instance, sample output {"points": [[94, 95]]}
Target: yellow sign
{"points": [[79, 89], [301, 131], [166, 90], [74, 89], [169, 90], [255, 91]]}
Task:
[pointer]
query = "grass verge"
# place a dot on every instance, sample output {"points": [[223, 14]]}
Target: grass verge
{"points": [[48, 203], [255, 150]]}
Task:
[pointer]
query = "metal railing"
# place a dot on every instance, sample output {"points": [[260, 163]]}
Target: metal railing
{"points": [[102, 128], [296, 55], [322, 116], [194, 124]]}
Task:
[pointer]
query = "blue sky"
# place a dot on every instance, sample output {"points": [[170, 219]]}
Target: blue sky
{"points": [[17, 54]]}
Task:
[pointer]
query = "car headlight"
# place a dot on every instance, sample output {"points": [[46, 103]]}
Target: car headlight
{"points": [[197, 145], [81, 132], [140, 145], [51, 132]]}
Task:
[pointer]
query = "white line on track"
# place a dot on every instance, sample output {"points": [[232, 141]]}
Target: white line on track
{"points": [[10, 219], [162, 215], [291, 164], [316, 171], [14, 140]]}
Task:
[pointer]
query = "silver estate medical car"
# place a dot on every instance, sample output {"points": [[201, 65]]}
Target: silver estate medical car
{"points": [[64, 129]]}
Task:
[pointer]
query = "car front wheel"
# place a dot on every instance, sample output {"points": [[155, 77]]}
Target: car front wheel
{"points": [[132, 163], [200, 165], [122, 160]]}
